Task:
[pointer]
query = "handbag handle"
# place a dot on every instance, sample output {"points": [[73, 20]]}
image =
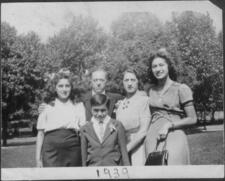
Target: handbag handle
{"points": [[157, 144]]}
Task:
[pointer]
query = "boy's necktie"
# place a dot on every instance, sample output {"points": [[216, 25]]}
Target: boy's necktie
{"points": [[101, 130]]}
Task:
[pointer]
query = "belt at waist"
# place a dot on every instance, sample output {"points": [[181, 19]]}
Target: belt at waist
{"points": [[63, 131], [158, 115]]}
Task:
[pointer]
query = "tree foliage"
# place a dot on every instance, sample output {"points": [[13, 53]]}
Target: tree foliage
{"points": [[21, 72], [200, 55], [138, 35], [77, 47]]}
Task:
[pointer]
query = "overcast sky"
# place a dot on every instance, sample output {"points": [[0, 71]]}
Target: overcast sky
{"points": [[46, 19]]}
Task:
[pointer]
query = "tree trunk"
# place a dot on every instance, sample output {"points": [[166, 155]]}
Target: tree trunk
{"points": [[4, 129]]}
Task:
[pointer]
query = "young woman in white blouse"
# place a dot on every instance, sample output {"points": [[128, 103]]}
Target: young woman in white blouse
{"points": [[58, 142]]}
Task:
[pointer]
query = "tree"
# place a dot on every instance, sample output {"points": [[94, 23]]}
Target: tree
{"points": [[77, 47], [138, 35], [199, 53], [22, 74], [8, 36]]}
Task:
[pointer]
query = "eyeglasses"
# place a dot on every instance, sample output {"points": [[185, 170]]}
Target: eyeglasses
{"points": [[101, 110]]}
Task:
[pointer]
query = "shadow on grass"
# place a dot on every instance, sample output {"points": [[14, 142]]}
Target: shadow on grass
{"points": [[198, 129], [20, 143], [195, 130], [21, 140]]}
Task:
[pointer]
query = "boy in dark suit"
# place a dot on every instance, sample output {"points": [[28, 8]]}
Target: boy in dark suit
{"points": [[103, 140]]}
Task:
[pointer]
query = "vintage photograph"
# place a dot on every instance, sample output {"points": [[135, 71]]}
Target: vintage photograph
{"points": [[119, 89]]}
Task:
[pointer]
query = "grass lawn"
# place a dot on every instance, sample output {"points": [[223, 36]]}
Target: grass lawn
{"points": [[18, 156], [205, 148]]}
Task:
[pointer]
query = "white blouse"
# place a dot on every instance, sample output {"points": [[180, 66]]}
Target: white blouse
{"points": [[62, 115]]}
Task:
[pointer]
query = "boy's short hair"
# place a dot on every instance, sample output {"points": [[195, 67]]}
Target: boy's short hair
{"points": [[99, 99]]}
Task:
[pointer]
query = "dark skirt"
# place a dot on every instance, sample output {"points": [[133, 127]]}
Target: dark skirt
{"points": [[61, 148]]}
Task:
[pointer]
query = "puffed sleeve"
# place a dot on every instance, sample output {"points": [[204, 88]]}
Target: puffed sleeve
{"points": [[41, 122], [185, 94]]}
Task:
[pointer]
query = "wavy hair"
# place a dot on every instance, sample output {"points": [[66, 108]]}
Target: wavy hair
{"points": [[162, 53], [50, 90], [134, 71]]}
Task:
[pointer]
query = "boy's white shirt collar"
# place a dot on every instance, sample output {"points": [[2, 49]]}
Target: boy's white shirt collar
{"points": [[96, 126]]}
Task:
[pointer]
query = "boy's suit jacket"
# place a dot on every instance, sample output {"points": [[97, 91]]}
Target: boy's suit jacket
{"points": [[113, 98], [111, 152]]}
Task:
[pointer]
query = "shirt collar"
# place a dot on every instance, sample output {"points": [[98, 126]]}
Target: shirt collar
{"points": [[105, 121], [58, 102]]}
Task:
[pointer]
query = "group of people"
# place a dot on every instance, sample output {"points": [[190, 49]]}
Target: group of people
{"points": [[106, 129]]}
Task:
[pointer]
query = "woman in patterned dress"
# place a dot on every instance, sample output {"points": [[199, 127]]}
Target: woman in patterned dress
{"points": [[171, 105]]}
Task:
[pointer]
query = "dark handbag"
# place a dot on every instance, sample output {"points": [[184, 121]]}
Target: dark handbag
{"points": [[158, 157]]}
